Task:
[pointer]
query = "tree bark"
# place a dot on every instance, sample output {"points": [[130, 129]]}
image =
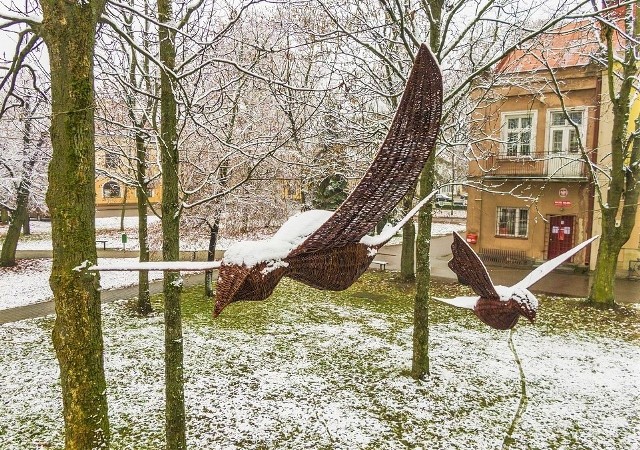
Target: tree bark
{"points": [[602, 288], [420, 360], [69, 32], [123, 208], [143, 305], [18, 217], [175, 429], [408, 255], [211, 256], [26, 224], [621, 206]]}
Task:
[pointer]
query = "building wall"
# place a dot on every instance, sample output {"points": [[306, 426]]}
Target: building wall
{"points": [[130, 202], [631, 249], [527, 182], [482, 216]]}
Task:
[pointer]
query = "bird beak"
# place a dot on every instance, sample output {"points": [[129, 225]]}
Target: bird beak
{"points": [[230, 279]]}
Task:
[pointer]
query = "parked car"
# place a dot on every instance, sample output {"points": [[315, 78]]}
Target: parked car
{"points": [[461, 201], [441, 200]]}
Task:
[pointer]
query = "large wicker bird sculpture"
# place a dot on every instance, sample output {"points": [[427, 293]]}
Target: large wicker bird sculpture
{"points": [[499, 307], [330, 250]]}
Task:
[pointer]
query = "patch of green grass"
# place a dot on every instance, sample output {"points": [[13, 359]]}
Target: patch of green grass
{"points": [[384, 293]]}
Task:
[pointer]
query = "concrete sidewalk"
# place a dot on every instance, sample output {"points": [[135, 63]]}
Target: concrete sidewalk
{"points": [[107, 296]]}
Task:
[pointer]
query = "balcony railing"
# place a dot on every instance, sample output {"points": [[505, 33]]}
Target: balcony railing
{"points": [[549, 166]]}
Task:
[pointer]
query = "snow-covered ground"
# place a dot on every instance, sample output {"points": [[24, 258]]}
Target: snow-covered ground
{"points": [[316, 370], [28, 281], [33, 275]]}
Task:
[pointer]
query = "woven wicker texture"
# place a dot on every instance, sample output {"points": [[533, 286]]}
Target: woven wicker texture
{"points": [[332, 258], [395, 169], [468, 266], [497, 313], [333, 270], [489, 308]]}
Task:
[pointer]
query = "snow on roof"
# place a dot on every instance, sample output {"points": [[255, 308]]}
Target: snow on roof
{"points": [[290, 235]]}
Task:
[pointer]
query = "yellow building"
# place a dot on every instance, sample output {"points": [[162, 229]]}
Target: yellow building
{"points": [[531, 197], [114, 167]]}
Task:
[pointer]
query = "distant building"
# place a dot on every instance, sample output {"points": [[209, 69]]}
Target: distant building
{"points": [[532, 197], [114, 165]]}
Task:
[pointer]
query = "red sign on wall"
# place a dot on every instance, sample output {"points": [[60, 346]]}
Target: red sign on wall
{"points": [[562, 203]]}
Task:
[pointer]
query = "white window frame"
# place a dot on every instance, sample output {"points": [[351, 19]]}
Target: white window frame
{"points": [[550, 128], [504, 116], [517, 225]]}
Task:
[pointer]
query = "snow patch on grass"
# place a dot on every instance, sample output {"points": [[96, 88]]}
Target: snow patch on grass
{"points": [[311, 369]]}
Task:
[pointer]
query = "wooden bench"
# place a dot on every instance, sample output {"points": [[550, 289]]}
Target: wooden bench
{"points": [[103, 242], [382, 265]]}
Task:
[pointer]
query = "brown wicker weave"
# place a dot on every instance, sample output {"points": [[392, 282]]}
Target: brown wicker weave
{"points": [[489, 308], [332, 258]]}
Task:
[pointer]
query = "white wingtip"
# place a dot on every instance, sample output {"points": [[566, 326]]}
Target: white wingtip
{"points": [[547, 267], [460, 302], [170, 266]]}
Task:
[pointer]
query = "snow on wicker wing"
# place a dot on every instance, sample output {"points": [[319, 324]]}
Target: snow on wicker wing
{"points": [[498, 306], [332, 253]]}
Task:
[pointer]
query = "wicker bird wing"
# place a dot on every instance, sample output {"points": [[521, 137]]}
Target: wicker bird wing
{"points": [[467, 265], [395, 169]]}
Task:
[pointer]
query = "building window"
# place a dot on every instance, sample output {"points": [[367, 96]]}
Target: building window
{"points": [[111, 189], [563, 137], [513, 222], [518, 134], [111, 160]]}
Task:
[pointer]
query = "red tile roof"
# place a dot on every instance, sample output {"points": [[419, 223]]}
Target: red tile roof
{"points": [[571, 45]]}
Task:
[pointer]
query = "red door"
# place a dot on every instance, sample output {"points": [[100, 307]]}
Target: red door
{"points": [[560, 235]]}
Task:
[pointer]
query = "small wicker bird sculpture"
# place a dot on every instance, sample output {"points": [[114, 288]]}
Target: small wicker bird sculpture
{"points": [[499, 307], [330, 250]]}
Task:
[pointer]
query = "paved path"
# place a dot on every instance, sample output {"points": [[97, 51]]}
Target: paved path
{"points": [[556, 283], [107, 296]]}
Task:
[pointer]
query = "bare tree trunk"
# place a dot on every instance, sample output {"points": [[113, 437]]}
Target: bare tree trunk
{"points": [[18, 218], [26, 224], [420, 362], [123, 209], [175, 429], [143, 304], [69, 32], [620, 210], [211, 256], [408, 255]]}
